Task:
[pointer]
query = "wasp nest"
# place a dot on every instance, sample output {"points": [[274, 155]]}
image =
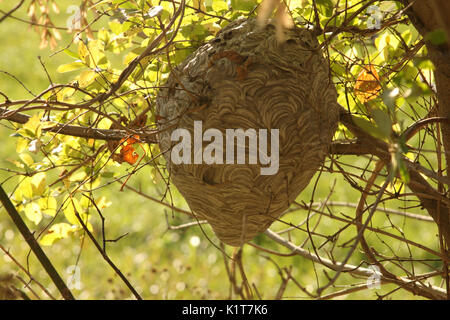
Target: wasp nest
{"points": [[245, 79]]}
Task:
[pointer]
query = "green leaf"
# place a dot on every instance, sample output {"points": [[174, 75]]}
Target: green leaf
{"points": [[404, 173], [243, 5], [423, 63], [383, 44], [325, 7], [369, 127], [83, 53], [398, 165], [97, 54], [71, 54], [436, 37], [69, 212], [383, 122]]}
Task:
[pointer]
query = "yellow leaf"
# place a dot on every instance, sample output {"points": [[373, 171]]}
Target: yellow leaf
{"points": [[83, 52], [70, 67], [73, 207], [33, 125], [56, 232], [219, 5], [199, 4], [38, 183], [18, 195], [26, 158], [86, 78], [33, 212], [48, 206], [21, 145], [26, 188], [77, 177]]}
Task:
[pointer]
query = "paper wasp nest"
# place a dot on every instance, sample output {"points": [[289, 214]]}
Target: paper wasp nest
{"points": [[244, 78]]}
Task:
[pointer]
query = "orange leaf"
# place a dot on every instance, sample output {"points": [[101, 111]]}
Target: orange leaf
{"points": [[127, 151], [367, 84], [129, 155]]}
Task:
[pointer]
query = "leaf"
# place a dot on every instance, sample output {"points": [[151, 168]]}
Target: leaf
{"points": [[32, 127], [383, 122], [243, 5], [48, 206], [396, 186], [26, 189], [83, 53], [69, 211], [38, 183], [115, 27], [423, 63], [97, 54], [436, 37], [367, 84], [130, 156], [103, 203], [56, 232], [127, 151], [86, 78], [398, 165], [369, 127], [71, 54], [33, 212], [21, 145], [219, 5], [71, 67], [26, 158]]}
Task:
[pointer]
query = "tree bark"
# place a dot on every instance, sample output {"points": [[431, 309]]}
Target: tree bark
{"points": [[428, 16]]}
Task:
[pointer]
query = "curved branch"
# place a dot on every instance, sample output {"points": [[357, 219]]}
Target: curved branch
{"points": [[439, 210]]}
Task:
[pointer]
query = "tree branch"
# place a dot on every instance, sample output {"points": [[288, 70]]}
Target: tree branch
{"points": [[430, 292], [29, 238], [148, 136], [439, 210]]}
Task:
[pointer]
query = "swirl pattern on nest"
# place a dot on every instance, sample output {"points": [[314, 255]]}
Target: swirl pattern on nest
{"points": [[283, 86]]}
